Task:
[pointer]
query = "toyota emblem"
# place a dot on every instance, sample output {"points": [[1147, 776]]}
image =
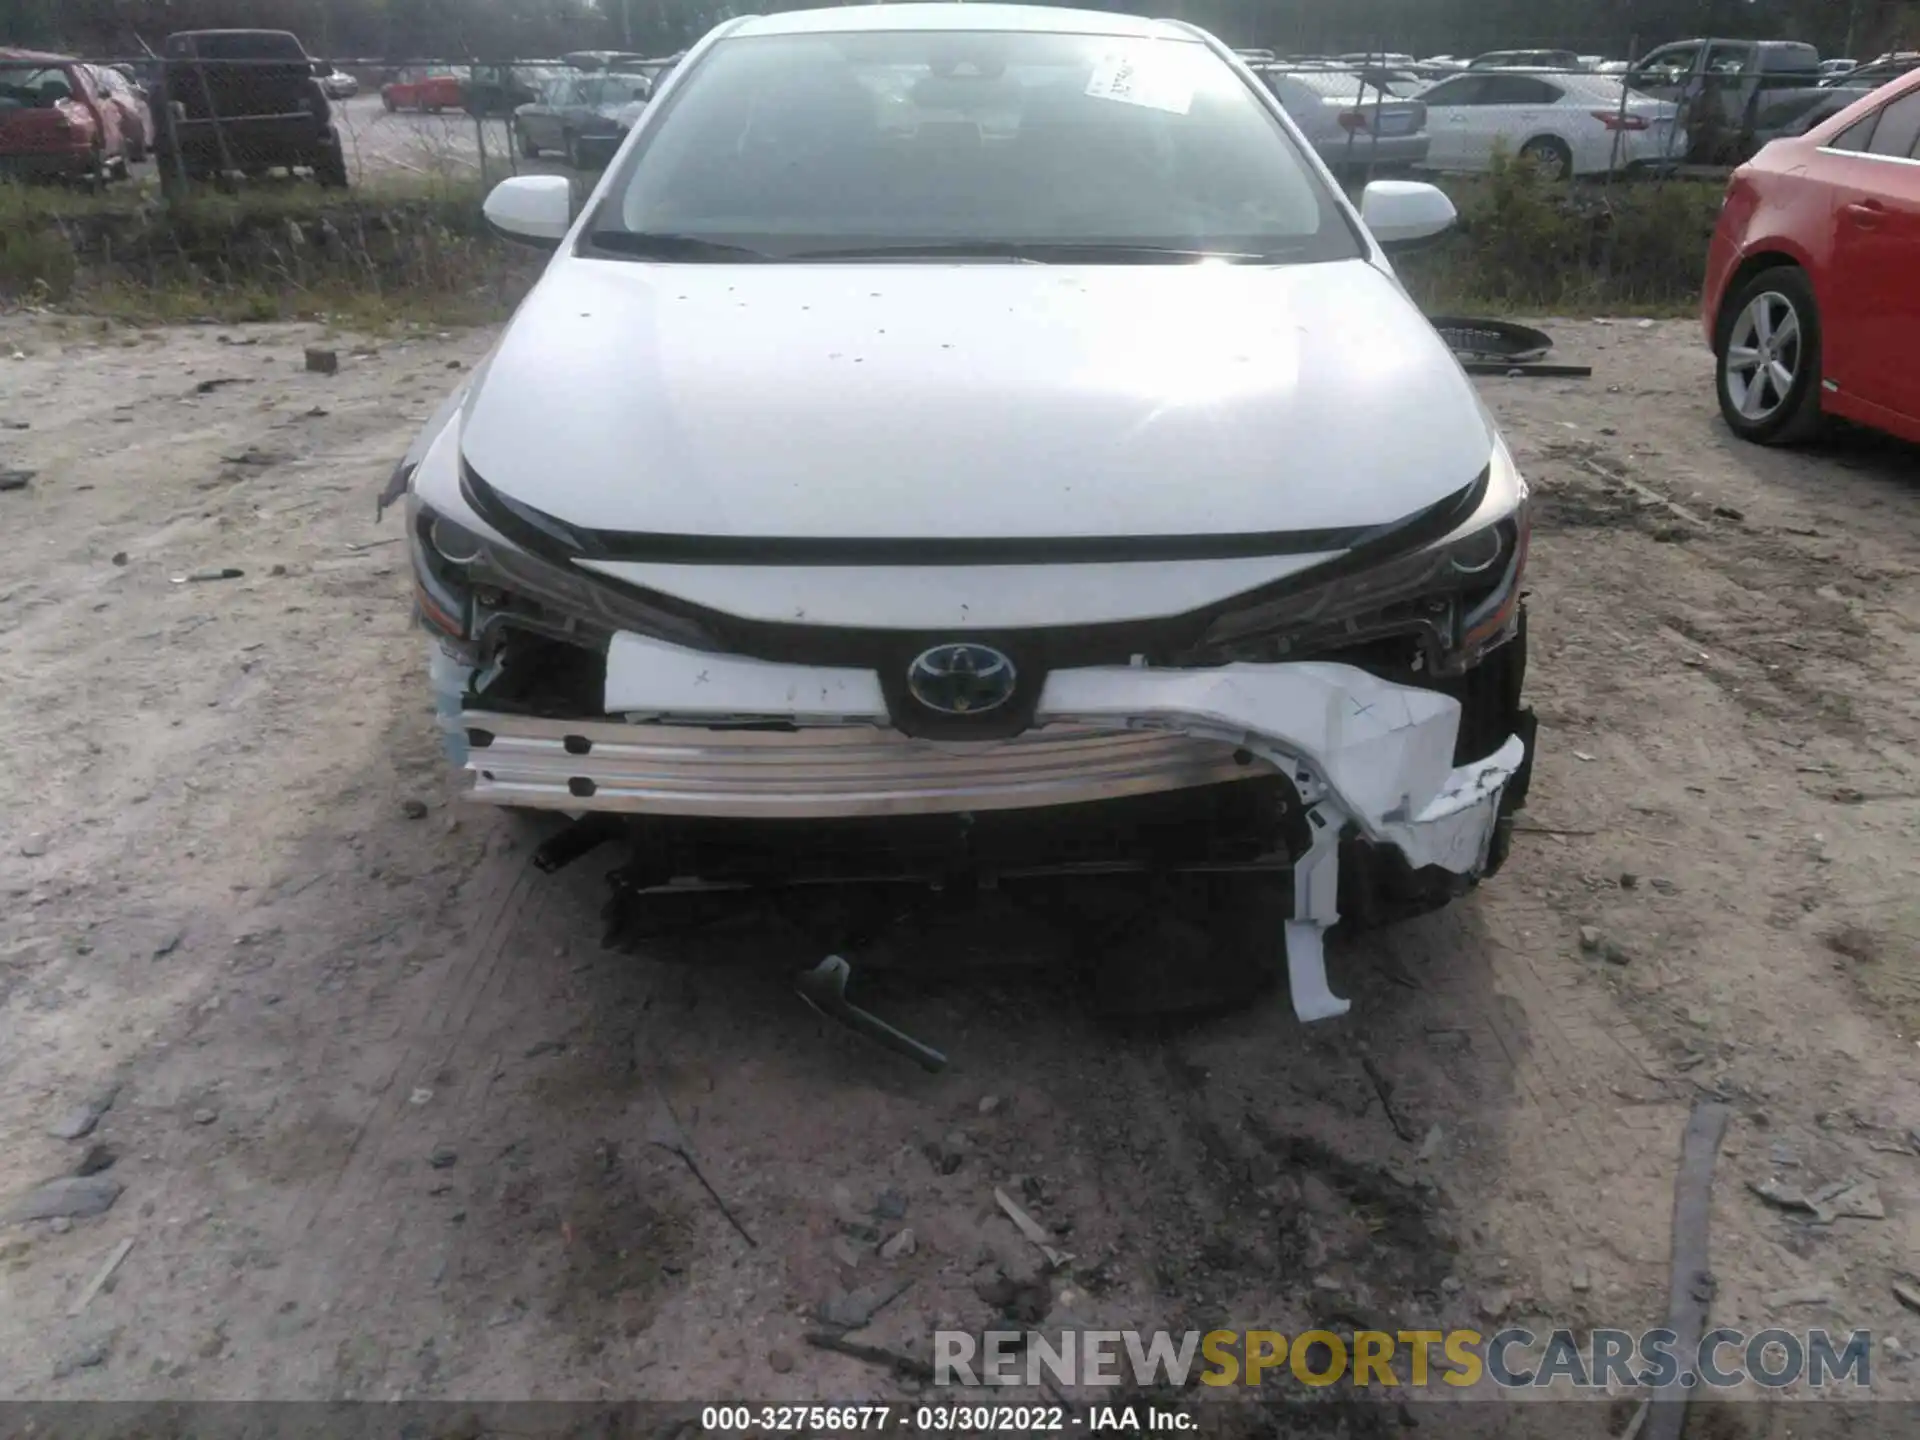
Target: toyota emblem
{"points": [[961, 679]]}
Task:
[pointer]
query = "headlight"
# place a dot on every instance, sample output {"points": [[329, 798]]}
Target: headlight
{"points": [[441, 587], [472, 589], [1458, 596]]}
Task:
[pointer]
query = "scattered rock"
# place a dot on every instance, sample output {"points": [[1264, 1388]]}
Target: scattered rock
{"points": [[1614, 953], [862, 1230], [414, 809], [1026, 1303], [60, 1224], [33, 846], [78, 1122], [89, 1356], [949, 1152], [1495, 1303], [1852, 1200], [780, 1362], [1842, 1200], [1665, 887], [276, 570], [204, 1116], [891, 1205], [1906, 1295], [989, 1104], [1629, 880], [1452, 1284], [846, 1252], [899, 1246], [120, 557], [77, 1196], [167, 946], [323, 362], [98, 1157], [1590, 937], [849, 1310], [1581, 1281], [16, 479], [1430, 1146], [444, 1157]]}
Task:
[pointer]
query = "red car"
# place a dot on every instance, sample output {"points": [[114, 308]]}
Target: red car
{"points": [[430, 90], [1813, 280], [54, 121]]}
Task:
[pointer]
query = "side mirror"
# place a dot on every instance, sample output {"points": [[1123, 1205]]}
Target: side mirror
{"points": [[532, 209], [1402, 214], [322, 69]]}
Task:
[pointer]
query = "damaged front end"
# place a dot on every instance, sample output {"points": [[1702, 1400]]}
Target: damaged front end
{"points": [[1360, 729]]}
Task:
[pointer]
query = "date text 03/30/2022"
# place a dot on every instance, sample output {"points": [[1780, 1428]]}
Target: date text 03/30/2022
{"points": [[937, 1419]]}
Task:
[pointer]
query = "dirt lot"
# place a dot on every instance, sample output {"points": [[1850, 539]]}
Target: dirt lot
{"points": [[390, 1123]]}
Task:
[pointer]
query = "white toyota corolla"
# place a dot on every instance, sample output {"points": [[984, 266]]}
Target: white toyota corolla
{"points": [[962, 442]]}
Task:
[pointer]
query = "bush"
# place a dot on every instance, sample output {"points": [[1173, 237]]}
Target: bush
{"points": [[264, 253], [1527, 243]]}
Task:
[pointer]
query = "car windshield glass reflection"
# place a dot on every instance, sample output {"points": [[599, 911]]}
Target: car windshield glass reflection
{"points": [[915, 142]]}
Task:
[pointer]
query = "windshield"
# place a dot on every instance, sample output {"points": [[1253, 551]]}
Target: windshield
{"points": [[34, 86], [785, 146]]}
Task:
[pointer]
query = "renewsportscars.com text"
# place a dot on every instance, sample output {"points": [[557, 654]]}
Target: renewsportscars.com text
{"points": [[1512, 1359]]}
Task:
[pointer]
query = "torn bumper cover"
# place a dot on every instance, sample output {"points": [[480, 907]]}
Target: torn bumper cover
{"points": [[713, 735]]}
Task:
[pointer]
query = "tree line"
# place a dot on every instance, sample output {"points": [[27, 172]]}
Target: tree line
{"points": [[451, 29]]}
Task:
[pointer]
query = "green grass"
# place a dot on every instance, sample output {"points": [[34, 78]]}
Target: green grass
{"points": [[1525, 244], [367, 258]]}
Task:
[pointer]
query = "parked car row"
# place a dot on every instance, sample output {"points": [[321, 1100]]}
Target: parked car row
{"points": [[214, 103], [1566, 123], [62, 118]]}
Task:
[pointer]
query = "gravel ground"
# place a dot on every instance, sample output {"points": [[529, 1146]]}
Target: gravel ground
{"points": [[387, 1122]]}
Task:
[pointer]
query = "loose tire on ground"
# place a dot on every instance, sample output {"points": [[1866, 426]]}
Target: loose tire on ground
{"points": [[1780, 354]]}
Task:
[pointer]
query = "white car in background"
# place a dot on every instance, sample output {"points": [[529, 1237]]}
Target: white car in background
{"points": [[1566, 124], [863, 487]]}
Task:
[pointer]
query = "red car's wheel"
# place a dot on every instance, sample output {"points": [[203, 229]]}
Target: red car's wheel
{"points": [[1768, 358]]}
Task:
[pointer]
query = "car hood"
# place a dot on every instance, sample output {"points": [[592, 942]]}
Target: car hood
{"points": [[1004, 401]]}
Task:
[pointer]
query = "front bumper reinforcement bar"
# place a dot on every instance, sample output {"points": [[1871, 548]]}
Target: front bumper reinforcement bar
{"points": [[1364, 754]]}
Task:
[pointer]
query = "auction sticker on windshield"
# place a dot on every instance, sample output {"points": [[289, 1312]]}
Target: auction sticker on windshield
{"points": [[1134, 81]]}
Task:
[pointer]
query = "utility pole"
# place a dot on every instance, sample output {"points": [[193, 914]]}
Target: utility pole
{"points": [[626, 23]]}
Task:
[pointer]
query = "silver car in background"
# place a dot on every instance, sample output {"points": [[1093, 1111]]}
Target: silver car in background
{"points": [[1352, 123]]}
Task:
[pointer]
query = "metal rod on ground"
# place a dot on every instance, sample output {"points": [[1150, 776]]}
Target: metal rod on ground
{"points": [[1690, 1276]]}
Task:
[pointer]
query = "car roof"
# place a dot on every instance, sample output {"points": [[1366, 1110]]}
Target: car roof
{"points": [[1840, 120], [1040, 19]]}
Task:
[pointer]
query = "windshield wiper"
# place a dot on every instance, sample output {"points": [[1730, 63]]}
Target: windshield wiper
{"points": [[643, 245], [1038, 252]]}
